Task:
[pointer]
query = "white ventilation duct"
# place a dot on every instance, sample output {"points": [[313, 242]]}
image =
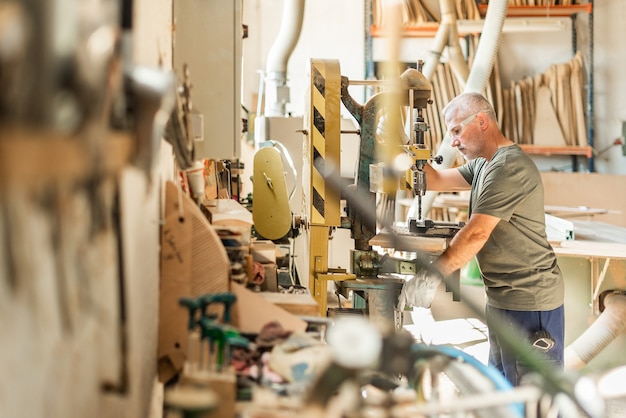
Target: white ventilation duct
{"points": [[478, 76], [276, 89], [610, 324]]}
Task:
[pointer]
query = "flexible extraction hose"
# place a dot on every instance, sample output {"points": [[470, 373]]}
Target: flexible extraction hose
{"points": [[434, 54], [455, 54], [610, 324], [276, 67], [478, 76]]}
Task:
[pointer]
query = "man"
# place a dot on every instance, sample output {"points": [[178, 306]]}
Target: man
{"points": [[505, 231]]}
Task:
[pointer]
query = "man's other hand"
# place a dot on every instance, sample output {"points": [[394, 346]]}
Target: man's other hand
{"points": [[419, 290]]}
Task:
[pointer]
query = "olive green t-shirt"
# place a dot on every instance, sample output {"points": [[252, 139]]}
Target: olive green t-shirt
{"points": [[517, 263]]}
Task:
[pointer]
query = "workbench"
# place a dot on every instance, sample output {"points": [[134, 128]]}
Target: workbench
{"points": [[592, 263]]}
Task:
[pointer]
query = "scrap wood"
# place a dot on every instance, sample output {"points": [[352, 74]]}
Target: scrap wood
{"points": [[504, 113], [564, 99], [577, 99], [466, 9], [526, 131], [547, 131], [513, 112], [413, 12], [565, 86], [519, 109]]}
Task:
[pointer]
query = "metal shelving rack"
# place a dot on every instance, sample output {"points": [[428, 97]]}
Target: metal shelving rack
{"points": [[429, 30], [564, 11]]}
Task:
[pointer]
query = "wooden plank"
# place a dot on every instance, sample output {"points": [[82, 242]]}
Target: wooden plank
{"points": [[527, 129], [590, 249], [513, 112], [499, 99], [441, 99], [252, 312], [529, 105], [193, 262], [563, 100], [557, 150], [578, 211], [35, 157], [431, 245], [519, 109], [547, 131], [588, 189], [506, 114], [577, 99], [296, 304]]}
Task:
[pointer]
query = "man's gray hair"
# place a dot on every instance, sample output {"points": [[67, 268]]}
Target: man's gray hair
{"points": [[468, 103]]}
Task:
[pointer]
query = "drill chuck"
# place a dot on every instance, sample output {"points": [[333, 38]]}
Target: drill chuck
{"points": [[419, 182]]}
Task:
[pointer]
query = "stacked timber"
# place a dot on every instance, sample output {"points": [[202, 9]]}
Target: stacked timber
{"points": [[548, 108]]}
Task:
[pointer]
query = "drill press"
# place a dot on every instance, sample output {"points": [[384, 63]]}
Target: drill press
{"points": [[419, 97]]}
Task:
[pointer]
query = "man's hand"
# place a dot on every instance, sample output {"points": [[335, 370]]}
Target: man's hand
{"points": [[419, 290]]}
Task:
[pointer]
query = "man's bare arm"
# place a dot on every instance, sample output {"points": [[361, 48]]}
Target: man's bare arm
{"points": [[466, 243], [445, 180]]}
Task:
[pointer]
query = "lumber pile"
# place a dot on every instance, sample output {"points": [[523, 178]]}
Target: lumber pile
{"points": [[548, 108], [539, 2], [419, 12]]}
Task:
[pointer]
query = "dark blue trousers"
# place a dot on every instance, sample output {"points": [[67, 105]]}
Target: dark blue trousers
{"points": [[503, 358]]}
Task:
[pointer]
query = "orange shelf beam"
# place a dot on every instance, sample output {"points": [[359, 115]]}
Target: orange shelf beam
{"points": [[586, 151], [424, 30], [544, 11]]}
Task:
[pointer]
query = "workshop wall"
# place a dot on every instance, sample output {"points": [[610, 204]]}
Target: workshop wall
{"points": [[80, 273], [330, 30]]}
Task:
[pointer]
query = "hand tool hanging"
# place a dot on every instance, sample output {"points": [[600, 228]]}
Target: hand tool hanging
{"points": [[207, 336], [193, 305]]}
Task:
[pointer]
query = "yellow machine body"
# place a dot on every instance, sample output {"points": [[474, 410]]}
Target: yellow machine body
{"points": [[321, 152], [270, 208]]}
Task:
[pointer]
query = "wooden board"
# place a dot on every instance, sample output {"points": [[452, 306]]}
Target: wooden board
{"points": [[296, 304], [193, 262], [513, 112], [588, 189], [527, 99], [577, 99], [499, 99], [563, 102], [547, 131], [506, 127], [252, 312], [591, 249]]}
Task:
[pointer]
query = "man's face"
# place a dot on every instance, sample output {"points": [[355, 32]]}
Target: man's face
{"points": [[464, 137]]}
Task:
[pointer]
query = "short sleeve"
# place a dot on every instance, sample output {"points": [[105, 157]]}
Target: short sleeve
{"points": [[502, 191]]}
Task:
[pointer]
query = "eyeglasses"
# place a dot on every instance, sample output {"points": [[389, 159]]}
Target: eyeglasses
{"points": [[457, 129]]}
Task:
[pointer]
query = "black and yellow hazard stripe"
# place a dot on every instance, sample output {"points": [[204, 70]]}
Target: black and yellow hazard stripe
{"points": [[325, 131]]}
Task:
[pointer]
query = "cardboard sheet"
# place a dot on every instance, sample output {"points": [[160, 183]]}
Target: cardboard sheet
{"points": [[252, 312]]}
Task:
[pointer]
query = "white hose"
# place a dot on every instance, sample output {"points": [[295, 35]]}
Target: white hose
{"points": [[609, 325], [477, 81], [276, 67], [455, 54], [434, 54]]}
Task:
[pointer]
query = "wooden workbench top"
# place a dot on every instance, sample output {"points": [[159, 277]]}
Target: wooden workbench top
{"points": [[594, 239]]}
